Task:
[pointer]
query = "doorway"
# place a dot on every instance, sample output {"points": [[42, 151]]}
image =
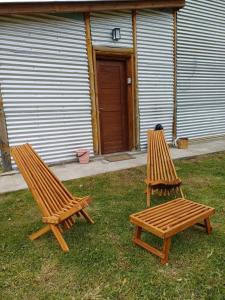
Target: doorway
{"points": [[112, 86]]}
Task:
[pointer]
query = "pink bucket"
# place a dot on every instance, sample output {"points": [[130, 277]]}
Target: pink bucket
{"points": [[83, 155]]}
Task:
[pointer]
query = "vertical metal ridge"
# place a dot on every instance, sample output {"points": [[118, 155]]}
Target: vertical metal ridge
{"points": [[102, 24], [45, 84], [155, 71], [201, 69]]}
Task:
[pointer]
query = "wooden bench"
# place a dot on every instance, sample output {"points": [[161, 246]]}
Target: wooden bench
{"points": [[56, 203], [168, 219]]}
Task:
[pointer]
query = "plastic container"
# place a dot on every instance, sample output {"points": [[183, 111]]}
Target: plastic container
{"points": [[83, 156]]}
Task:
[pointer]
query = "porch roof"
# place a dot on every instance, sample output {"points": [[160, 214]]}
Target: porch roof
{"points": [[63, 6]]}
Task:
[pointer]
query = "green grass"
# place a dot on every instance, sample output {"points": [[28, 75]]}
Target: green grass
{"points": [[102, 262]]}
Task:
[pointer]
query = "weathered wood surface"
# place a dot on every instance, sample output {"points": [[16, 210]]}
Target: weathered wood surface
{"points": [[4, 143]]}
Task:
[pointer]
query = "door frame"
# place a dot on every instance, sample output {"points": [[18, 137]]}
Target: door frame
{"points": [[127, 55]]}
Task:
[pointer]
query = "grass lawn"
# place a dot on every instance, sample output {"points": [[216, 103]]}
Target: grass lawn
{"points": [[102, 262]]}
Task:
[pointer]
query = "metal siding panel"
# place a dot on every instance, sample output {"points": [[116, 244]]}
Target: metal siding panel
{"points": [[155, 71], [103, 23], [45, 84], [201, 69]]}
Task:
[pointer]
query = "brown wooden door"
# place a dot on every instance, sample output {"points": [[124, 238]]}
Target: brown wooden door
{"points": [[113, 110]]}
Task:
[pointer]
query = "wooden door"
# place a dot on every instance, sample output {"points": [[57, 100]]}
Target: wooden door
{"points": [[112, 100]]}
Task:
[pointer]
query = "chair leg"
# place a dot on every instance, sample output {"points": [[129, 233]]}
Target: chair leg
{"points": [[166, 249], [86, 216], [68, 223], [148, 196], [208, 226], [137, 233], [59, 237], [40, 232], [181, 192]]}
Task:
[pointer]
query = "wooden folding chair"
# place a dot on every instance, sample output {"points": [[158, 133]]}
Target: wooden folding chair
{"points": [[56, 203], [161, 173]]}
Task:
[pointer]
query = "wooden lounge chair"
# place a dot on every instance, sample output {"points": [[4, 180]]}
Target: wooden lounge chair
{"points": [[56, 203], [161, 173]]}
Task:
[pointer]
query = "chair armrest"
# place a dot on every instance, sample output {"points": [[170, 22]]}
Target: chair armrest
{"points": [[50, 220]]}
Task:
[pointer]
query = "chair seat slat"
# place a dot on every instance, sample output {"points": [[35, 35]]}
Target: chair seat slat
{"points": [[50, 181], [161, 173], [39, 183]]}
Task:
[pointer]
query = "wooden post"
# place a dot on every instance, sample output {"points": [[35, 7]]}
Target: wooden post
{"points": [[92, 83], [135, 87], [4, 144], [175, 75]]}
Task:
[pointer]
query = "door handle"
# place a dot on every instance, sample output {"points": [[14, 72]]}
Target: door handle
{"points": [[100, 108]]}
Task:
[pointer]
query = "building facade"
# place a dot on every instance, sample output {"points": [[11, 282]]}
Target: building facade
{"points": [[66, 84]]}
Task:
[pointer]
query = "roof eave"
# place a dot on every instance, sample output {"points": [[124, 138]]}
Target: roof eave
{"points": [[89, 6]]}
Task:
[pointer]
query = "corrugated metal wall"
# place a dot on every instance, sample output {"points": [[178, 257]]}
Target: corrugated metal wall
{"points": [[155, 71], [103, 23], [201, 69], [45, 84]]}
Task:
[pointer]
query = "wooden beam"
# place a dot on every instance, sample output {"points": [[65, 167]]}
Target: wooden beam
{"points": [[90, 6], [92, 84], [174, 129], [113, 51], [130, 101], [4, 144], [135, 79]]}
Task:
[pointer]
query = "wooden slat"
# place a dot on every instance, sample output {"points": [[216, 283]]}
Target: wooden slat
{"points": [[164, 213], [183, 217], [148, 247], [138, 222], [157, 208], [56, 189], [29, 180], [41, 183], [188, 223], [50, 173], [179, 217], [54, 200], [161, 173]]}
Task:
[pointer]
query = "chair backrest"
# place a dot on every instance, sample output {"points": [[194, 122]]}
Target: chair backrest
{"points": [[50, 194], [160, 166]]}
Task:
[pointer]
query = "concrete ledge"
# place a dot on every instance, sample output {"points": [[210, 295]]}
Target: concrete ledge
{"points": [[13, 181]]}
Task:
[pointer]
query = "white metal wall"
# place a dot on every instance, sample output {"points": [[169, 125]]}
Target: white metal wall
{"points": [[102, 24], [45, 85], [155, 71], [201, 69]]}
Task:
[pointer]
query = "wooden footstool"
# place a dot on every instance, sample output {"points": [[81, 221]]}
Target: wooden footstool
{"points": [[168, 219]]}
